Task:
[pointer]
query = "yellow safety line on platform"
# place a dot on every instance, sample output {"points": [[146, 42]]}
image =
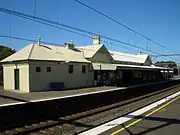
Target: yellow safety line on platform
{"points": [[162, 110], [135, 122]]}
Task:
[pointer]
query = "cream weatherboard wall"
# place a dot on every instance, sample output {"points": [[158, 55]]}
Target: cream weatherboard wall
{"points": [[9, 78], [148, 61], [103, 56], [59, 73]]}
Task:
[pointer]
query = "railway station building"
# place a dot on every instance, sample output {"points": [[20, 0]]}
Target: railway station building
{"points": [[42, 67]]}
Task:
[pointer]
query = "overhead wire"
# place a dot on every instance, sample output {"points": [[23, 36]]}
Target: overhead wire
{"points": [[50, 22], [58, 28], [36, 19], [50, 43], [78, 47], [34, 11], [25, 39], [117, 22], [121, 24]]}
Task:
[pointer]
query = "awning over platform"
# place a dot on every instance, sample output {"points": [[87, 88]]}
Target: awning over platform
{"points": [[108, 66], [123, 66], [104, 66]]}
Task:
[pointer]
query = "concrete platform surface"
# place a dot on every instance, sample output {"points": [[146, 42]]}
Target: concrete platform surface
{"points": [[165, 121], [177, 77], [7, 97]]}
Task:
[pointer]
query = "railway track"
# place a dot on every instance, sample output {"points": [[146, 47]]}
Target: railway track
{"points": [[79, 122]]}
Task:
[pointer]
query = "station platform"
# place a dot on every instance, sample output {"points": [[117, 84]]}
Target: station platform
{"points": [[163, 121], [22, 108], [8, 97], [176, 77]]}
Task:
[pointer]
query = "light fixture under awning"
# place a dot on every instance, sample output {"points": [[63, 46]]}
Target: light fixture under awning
{"points": [[103, 66]]}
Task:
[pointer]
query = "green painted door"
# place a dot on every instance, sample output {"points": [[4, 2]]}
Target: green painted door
{"points": [[16, 79]]}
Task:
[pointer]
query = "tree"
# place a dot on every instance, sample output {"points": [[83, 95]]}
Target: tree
{"points": [[170, 64], [4, 52]]}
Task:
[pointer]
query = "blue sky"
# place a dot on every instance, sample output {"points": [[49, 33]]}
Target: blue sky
{"points": [[158, 19]]}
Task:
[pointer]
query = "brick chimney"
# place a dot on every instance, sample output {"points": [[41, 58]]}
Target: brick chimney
{"points": [[69, 45], [96, 39]]}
